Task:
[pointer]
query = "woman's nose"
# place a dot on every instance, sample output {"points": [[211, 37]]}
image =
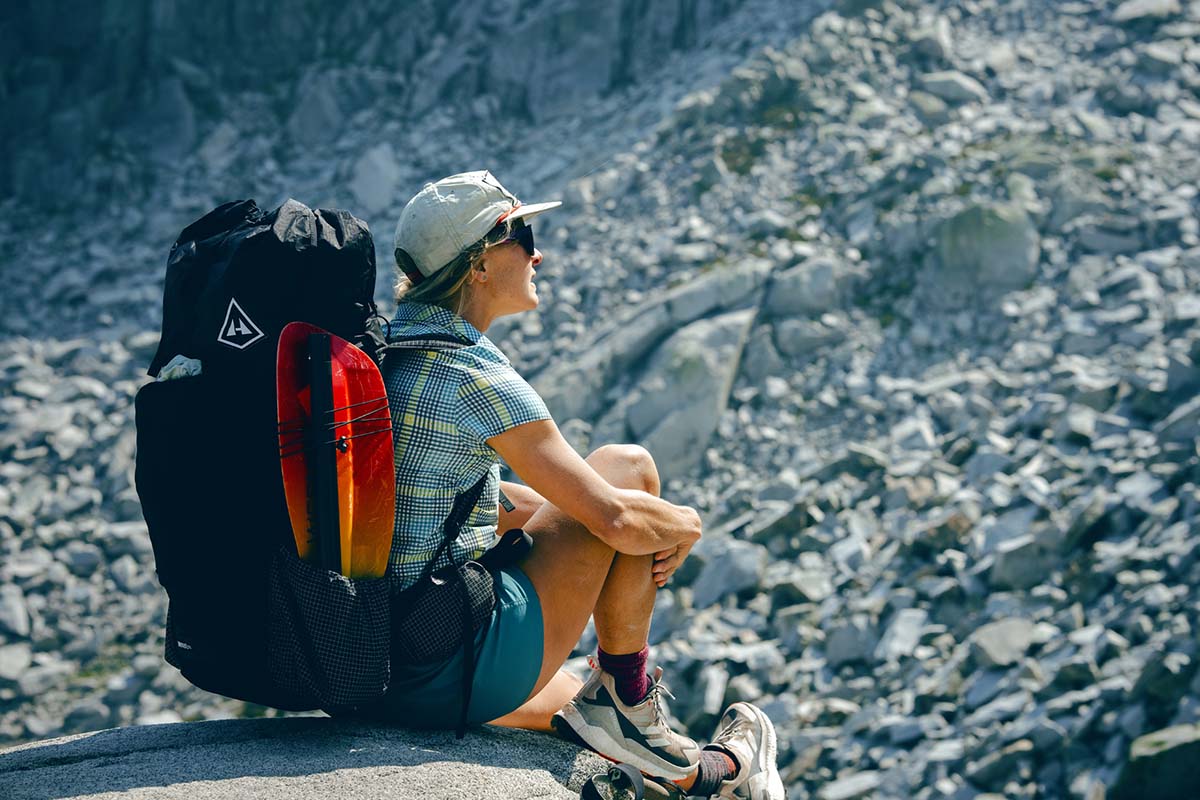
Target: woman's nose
{"points": [[537, 256]]}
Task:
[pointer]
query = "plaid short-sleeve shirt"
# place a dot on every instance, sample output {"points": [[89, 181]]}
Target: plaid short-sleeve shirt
{"points": [[445, 405]]}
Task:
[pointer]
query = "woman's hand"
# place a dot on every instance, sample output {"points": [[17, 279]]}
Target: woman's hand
{"points": [[667, 561]]}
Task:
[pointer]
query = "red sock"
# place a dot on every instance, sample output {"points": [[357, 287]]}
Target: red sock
{"points": [[629, 673], [715, 766]]}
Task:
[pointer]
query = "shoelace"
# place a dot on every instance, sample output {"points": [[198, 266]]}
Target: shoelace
{"points": [[728, 731], [657, 689], [657, 686]]}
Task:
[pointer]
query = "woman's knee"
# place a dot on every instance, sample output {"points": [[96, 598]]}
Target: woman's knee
{"points": [[629, 466]]}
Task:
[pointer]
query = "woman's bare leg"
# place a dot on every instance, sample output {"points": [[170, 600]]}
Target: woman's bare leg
{"points": [[576, 574], [535, 714], [525, 501]]}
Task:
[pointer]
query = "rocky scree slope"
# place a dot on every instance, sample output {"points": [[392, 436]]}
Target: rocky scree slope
{"points": [[907, 303], [120, 91], [82, 259]]}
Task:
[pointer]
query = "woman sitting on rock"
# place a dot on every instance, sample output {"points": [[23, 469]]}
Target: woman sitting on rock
{"points": [[603, 540]]}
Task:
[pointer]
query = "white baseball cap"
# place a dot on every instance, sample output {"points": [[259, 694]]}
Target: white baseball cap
{"points": [[447, 217]]}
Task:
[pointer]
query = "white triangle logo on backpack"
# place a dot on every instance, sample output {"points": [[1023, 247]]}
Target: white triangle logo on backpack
{"points": [[238, 330]]}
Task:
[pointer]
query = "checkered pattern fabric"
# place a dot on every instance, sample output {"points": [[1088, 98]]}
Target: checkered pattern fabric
{"points": [[445, 405], [433, 627], [329, 635]]}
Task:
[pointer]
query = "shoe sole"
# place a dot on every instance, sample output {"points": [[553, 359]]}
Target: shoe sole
{"points": [[605, 745]]}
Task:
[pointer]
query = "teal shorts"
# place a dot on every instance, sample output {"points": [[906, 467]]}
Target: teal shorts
{"points": [[510, 659]]}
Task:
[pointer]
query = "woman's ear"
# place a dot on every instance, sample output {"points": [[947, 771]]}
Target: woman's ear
{"points": [[479, 273]]}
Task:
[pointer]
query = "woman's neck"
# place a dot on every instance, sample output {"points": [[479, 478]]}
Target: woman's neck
{"points": [[476, 313]]}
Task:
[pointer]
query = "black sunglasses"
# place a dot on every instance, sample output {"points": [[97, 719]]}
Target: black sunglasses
{"points": [[520, 233]]}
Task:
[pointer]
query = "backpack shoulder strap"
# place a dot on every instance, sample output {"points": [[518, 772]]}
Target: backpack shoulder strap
{"points": [[429, 342], [434, 341], [464, 504]]}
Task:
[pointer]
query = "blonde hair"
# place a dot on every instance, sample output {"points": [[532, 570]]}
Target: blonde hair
{"points": [[448, 286]]}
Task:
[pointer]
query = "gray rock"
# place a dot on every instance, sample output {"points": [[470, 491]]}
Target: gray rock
{"points": [[903, 731], [1003, 709], [983, 250], [850, 787], [1162, 765], [219, 148], [761, 359], [14, 616], [929, 108], [993, 770], [686, 389], [1021, 563], [810, 579], [87, 715], [238, 758], [850, 641], [801, 338], [1160, 59], [1089, 517], [26, 564], [1077, 424], [81, 558], [1002, 643], [714, 679], [1110, 235], [1164, 678], [734, 566], [935, 41], [813, 287], [725, 287], [169, 129], [130, 577], [14, 660], [376, 178], [1137, 10], [1181, 425], [163, 717], [693, 253], [946, 751], [317, 115], [914, 433], [850, 552], [43, 677], [1074, 194], [576, 387], [954, 87], [984, 464], [123, 689], [125, 538], [767, 222], [902, 635]]}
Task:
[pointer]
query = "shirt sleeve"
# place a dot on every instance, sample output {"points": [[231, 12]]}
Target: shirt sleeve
{"points": [[494, 399]]}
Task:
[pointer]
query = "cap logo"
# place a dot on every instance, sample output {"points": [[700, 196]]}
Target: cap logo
{"points": [[238, 330]]}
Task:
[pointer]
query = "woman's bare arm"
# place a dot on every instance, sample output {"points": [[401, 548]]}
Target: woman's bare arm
{"points": [[629, 521]]}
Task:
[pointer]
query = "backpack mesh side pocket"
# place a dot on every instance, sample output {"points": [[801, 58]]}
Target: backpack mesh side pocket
{"points": [[329, 634], [432, 618]]}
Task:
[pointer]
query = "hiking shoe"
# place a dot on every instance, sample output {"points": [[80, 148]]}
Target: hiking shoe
{"points": [[746, 734], [637, 735]]}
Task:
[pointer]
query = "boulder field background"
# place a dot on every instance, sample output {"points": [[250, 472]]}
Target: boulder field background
{"points": [[904, 295]]}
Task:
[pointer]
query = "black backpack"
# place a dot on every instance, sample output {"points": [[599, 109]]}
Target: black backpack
{"points": [[246, 617], [207, 472]]}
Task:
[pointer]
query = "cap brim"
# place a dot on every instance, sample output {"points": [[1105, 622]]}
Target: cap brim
{"points": [[532, 210]]}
